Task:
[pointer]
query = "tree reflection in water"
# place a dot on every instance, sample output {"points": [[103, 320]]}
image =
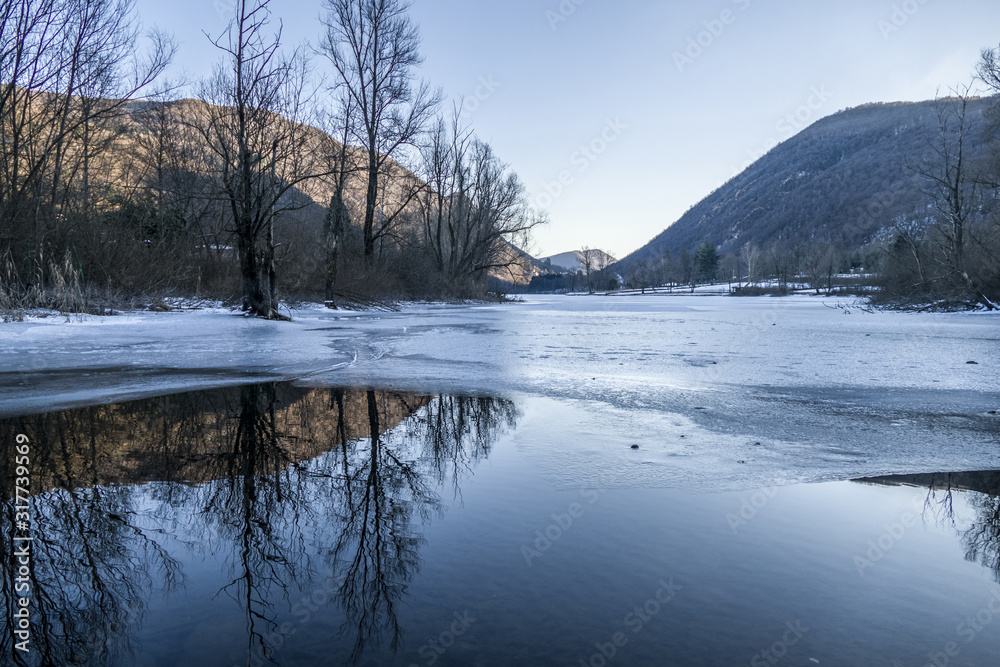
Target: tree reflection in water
{"points": [[980, 537], [253, 476], [93, 564], [376, 550], [288, 489], [255, 508], [390, 480]]}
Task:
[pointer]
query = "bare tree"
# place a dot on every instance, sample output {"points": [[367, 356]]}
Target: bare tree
{"points": [[254, 126], [588, 258], [989, 177], [819, 261], [783, 261], [729, 267], [474, 210], [337, 218], [68, 69], [912, 237], [374, 48], [988, 73], [954, 189], [639, 275], [594, 262], [750, 255]]}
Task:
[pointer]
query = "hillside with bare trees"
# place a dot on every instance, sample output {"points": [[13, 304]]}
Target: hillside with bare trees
{"points": [[272, 183]]}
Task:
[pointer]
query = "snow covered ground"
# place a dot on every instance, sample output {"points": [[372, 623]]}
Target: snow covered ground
{"points": [[719, 393]]}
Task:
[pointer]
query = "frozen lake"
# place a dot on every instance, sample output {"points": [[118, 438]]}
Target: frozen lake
{"points": [[721, 393], [568, 481]]}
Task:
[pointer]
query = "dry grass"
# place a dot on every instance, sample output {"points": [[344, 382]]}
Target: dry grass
{"points": [[58, 288]]}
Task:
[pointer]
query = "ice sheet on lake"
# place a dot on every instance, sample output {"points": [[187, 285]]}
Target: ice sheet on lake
{"points": [[827, 392]]}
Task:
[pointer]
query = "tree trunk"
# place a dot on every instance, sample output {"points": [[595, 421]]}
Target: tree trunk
{"points": [[333, 233], [330, 293], [272, 277], [370, 202], [253, 297]]}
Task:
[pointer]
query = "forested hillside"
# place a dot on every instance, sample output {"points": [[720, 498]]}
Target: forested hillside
{"points": [[848, 179], [904, 194], [292, 173]]}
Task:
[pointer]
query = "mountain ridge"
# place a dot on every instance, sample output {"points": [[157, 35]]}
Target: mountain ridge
{"points": [[843, 179]]}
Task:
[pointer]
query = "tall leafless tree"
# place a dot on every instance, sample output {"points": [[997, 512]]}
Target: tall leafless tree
{"points": [[374, 48], [594, 263], [750, 255], [474, 210], [258, 102], [819, 260], [988, 73], [337, 221], [954, 189], [68, 69]]}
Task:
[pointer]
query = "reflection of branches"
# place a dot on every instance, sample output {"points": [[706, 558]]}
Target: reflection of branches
{"points": [[93, 571], [256, 504], [982, 539], [386, 484], [940, 504], [376, 551], [93, 563], [459, 431], [249, 470]]}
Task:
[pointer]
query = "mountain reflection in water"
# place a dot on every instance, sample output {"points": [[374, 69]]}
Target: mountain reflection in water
{"points": [[293, 489]]}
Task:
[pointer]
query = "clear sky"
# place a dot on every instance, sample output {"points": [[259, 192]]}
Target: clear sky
{"points": [[620, 115]]}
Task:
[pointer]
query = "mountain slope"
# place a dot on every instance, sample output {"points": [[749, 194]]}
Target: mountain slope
{"points": [[159, 148], [844, 179], [574, 261]]}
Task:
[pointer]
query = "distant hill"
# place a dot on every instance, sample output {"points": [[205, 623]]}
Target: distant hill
{"points": [[572, 261], [844, 179]]}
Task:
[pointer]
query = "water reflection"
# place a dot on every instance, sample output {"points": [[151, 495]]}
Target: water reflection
{"points": [[981, 537], [289, 487], [92, 568], [289, 492]]}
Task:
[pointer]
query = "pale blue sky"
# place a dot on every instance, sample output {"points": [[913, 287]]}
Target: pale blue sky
{"points": [[673, 130]]}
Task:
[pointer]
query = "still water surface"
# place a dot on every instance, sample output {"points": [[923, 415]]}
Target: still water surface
{"points": [[272, 524]]}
